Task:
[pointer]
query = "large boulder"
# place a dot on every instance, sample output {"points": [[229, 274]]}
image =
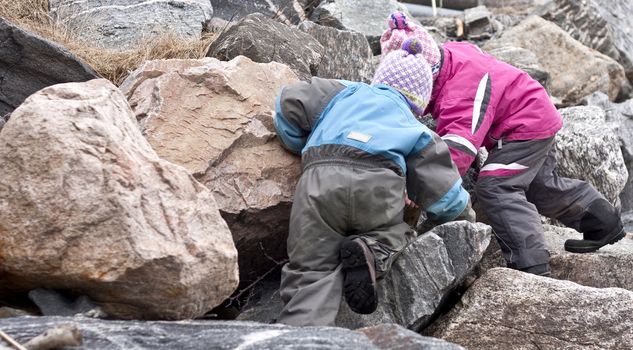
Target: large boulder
{"points": [[124, 24], [87, 206], [576, 70], [509, 309], [286, 11], [368, 17], [215, 119], [346, 54], [599, 24], [620, 118], [124, 335], [419, 284], [588, 148], [524, 60], [29, 63], [265, 40]]}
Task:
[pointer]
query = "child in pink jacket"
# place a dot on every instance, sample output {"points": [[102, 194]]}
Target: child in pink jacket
{"points": [[480, 101]]}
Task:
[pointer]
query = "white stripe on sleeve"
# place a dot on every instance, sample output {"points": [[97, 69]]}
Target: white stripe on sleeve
{"points": [[479, 97], [461, 140]]}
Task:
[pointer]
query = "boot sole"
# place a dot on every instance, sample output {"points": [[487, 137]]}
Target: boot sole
{"points": [[587, 246], [359, 283]]}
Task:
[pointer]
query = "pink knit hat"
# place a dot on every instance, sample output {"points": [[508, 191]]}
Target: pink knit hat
{"points": [[401, 29], [407, 71]]}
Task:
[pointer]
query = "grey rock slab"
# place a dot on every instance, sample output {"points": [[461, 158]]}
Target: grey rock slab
{"points": [[124, 24], [346, 54], [265, 40], [368, 17], [509, 309], [620, 118], [588, 148], [478, 21], [190, 335], [29, 63], [576, 70], [286, 11], [432, 266], [395, 337], [425, 273]]}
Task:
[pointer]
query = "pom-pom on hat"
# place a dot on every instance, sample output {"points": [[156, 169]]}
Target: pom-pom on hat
{"points": [[407, 71], [400, 29]]}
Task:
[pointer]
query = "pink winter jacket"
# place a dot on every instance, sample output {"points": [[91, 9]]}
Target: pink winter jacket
{"points": [[480, 101]]}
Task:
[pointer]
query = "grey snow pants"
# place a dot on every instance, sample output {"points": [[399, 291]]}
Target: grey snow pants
{"points": [[333, 202], [519, 181]]}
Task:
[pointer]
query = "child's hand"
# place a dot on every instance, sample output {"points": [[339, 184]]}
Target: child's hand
{"points": [[409, 203]]}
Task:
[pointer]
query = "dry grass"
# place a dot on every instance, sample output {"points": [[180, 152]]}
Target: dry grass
{"points": [[33, 15]]}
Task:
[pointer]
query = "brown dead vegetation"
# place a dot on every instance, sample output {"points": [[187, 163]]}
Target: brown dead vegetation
{"points": [[33, 15]]}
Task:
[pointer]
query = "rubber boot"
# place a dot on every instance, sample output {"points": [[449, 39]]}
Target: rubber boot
{"points": [[359, 284], [600, 226]]}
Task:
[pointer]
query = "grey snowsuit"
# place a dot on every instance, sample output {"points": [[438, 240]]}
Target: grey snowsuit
{"points": [[361, 147]]}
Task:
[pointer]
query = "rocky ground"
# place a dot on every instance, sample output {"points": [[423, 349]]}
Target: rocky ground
{"points": [[167, 197]]}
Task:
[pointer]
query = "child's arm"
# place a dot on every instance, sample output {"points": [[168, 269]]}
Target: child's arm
{"points": [[299, 106], [433, 181], [464, 116]]}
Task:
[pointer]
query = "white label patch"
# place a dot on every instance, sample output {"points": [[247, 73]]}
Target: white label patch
{"points": [[358, 136]]}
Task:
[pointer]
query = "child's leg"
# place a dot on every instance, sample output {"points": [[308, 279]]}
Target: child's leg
{"points": [[377, 218], [501, 187], [578, 205], [312, 280]]}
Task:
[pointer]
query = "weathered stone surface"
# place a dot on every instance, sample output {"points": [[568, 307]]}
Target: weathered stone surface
{"points": [[215, 119], [86, 205], [346, 54], [124, 335], [600, 24], [392, 336], [423, 276], [123, 24], [610, 266], [523, 59], [627, 220], [445, 27], [478, 23], [347, 15], [3, 120], [420, 280], [286, 11], [509, 309], [576, 70], [588, 149], [29, 63], [620, 118], [264, 40]]}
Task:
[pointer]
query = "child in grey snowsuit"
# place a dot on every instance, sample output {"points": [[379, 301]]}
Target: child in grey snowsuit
{"points": [[361, 146]]}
